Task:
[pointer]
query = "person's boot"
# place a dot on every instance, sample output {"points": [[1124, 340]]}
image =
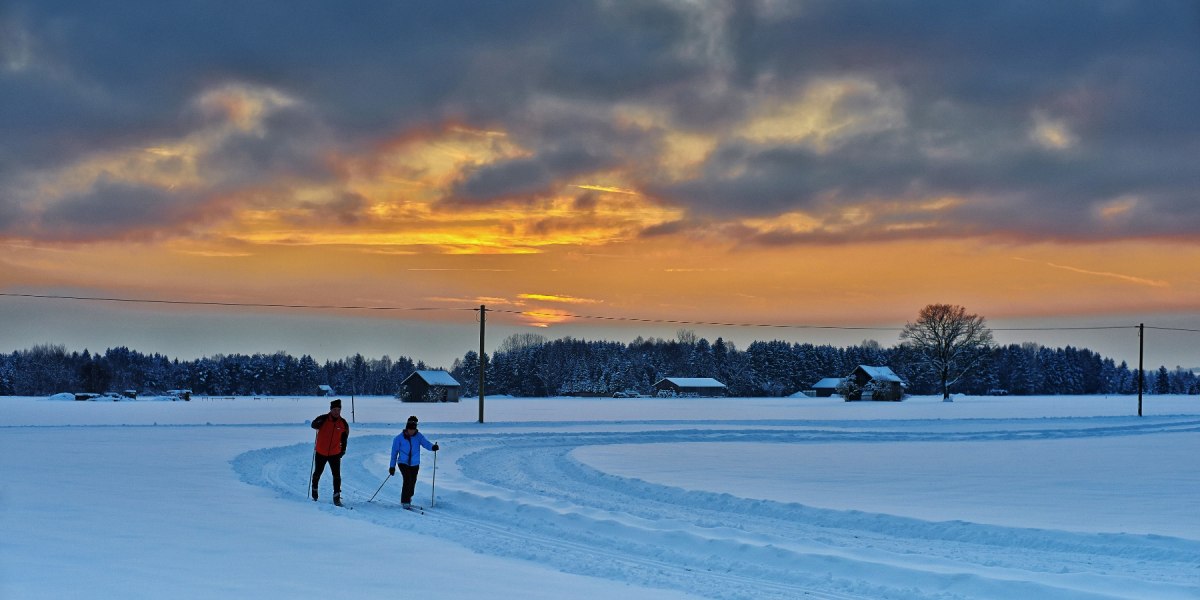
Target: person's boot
{"points": [[337, 499], [314, 493]]}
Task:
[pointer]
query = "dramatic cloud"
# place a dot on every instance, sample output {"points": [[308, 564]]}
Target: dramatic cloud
{"points": [[763, 122]]}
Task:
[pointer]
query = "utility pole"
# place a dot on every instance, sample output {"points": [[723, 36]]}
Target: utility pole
{"points": [[1141, 371], [482, 357]]}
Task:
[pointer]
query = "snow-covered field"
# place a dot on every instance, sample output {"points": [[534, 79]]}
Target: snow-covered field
{"points": [[1046, 497]]}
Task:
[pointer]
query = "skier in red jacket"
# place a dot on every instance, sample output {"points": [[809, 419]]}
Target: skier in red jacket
{"points": [[332, 434]]}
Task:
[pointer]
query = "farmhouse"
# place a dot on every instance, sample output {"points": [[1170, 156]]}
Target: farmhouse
{"points": [[690, 386], [875, 383], [429, 386]]}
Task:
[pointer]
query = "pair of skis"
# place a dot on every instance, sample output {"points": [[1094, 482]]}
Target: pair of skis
{"points": [[342, 505], [413, 507]]}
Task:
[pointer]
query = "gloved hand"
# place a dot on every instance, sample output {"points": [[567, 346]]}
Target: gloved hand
{"points": [[391, 470], [435, 447]]}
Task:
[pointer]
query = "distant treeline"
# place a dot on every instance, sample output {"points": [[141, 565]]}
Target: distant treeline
{"points": [[528, 365]]}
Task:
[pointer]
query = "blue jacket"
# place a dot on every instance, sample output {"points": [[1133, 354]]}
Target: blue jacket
{"points": [[405, 452]]}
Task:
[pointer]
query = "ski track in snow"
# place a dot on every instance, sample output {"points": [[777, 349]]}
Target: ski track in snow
{"points": [[523, 495]]}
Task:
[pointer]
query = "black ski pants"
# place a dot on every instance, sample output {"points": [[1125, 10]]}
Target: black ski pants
{"points": [[410, 482], [335, 467]]}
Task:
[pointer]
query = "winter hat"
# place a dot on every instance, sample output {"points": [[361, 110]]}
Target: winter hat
{"points": [[412, 423], [336, 403]]}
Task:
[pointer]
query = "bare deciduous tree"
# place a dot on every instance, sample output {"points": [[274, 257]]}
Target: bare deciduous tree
{"points": [[686, 337], [520, 341], [950, 341]]}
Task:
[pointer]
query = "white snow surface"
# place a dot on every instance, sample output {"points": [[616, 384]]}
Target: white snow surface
{"points": [[1043, 497]]}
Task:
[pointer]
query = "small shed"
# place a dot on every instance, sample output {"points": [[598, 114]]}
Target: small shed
{"points": [[690, 386], [430, 386], [876, 383], [825, 388], [324, 390]]}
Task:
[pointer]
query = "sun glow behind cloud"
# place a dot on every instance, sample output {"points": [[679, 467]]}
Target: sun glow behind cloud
{"points": [[388, 196], [401, 185], [1051, 133]]}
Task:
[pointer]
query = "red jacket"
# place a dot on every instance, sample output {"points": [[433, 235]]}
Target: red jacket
{"points": [[332, 435]]}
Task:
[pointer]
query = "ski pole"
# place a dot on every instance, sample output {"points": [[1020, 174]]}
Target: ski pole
{"points": [[313, 465], [433, 485], [385, 480]]}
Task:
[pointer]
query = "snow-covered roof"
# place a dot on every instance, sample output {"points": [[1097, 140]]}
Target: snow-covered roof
{"points": [[828, 382], [693, 382], [881, 373], [438, 377]]}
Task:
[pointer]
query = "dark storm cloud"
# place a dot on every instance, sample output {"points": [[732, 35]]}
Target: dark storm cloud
{"points": [[668, 228], [1120, 79], [528, 178], [376, 63], [98, 72], [564, 147], [115, 210], [347, 209]]}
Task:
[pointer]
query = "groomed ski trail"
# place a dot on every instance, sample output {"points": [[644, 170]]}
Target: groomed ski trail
{"points": [[524, 495]]}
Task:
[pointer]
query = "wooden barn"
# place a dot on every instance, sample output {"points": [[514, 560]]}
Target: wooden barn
{"points": [[825, 388], [690, 386], [875, 383], [429, 386]]}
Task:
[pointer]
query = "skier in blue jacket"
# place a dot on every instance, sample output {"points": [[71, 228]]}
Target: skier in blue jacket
{"points": [[406, 454]]}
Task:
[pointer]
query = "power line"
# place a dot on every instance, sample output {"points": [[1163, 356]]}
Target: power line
{"points": [[1173, 329], [1080, 328], [683, 322], [230, 304], [549, 314], [780, 326]]}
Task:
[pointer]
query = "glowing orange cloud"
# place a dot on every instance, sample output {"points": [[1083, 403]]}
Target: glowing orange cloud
{"points": [[607, 188], [546, 317], [557, 298]]}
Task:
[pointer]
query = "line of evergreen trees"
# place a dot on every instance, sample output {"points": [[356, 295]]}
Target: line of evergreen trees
{"points": [[529, 365], [777, 368], [50, 369]]}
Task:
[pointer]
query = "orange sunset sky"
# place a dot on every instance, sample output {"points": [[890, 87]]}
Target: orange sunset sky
{"points": [[808, 163]]}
